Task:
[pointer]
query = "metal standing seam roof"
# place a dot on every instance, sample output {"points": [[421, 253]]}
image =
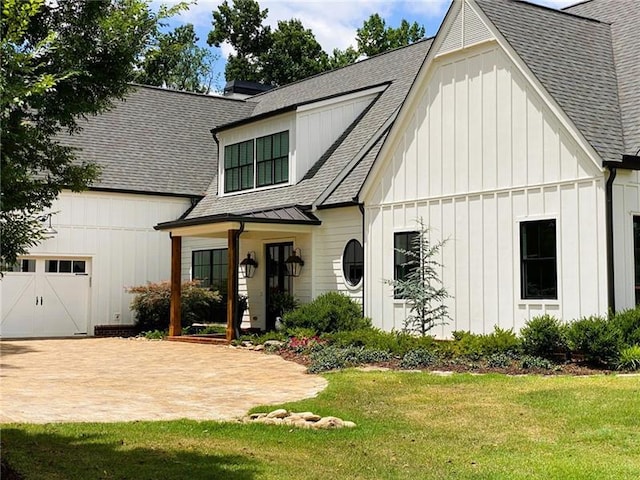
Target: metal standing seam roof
{"points": [[156, 140], [398, 68], [573, 58]]}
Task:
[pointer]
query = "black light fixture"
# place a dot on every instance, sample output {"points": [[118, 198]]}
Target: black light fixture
{"points": [[249, 265], [49, 230], [294, 263]]}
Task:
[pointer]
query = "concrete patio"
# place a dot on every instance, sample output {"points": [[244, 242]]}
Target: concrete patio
{"points": [[114, 379]]}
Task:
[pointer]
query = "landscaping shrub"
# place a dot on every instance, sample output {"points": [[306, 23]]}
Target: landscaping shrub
{"points": [[330, 312], [476, 346], [597, 338], [544, 336], [419, 358], [499, 360], [397, 343], [264, 337], [530, 361], [627, 323], [629, 358], [151, 304], [331, 357], [155, 334]]}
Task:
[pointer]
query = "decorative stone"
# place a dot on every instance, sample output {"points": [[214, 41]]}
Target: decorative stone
{"points": [[309, 416], [273, 343], [348, 424], [255, 416], [258, 348], [329, 422], [279, 413]]}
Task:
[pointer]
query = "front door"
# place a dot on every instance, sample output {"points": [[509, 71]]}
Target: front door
{"points": [[278, 280]]}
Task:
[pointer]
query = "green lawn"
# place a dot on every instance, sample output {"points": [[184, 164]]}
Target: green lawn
{"points": [[410, 425]]}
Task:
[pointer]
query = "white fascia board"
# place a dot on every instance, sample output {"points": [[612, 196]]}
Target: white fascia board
{"points": [[341, 98]]}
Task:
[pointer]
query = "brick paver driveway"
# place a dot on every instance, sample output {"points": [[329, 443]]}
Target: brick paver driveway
{"points": [[113, 379]]}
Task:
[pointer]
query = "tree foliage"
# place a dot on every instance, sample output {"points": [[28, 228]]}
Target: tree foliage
{"points": [[291, 52], [60, 61], [241, 26], [176, 61], [422, 288], [375, 37]]}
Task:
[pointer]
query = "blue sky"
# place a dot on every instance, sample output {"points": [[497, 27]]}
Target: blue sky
{"points": [[334, 22]]}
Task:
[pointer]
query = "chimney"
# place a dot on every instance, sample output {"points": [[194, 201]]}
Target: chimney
{"points": [[242, 89]]}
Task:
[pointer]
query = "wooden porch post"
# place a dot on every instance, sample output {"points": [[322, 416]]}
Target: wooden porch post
{"points": [[232, 282], [175, 323]]}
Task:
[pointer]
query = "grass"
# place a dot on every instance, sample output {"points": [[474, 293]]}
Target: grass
{"points": [[410, 425]]}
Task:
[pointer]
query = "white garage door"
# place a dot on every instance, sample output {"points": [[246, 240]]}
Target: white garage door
{"points": [[46, 297]]}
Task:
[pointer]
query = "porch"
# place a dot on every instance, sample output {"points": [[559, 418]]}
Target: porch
{"points": [[267, 253]]}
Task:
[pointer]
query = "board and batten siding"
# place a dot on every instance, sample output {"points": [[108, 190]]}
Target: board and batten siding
{"points": [[318, 127], [478, 152], [330, 239], [115, 231], [626, 205]]}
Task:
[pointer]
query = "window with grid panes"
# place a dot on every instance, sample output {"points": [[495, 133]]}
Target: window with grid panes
{"points": [[238, 166], [210, 268], [272, 159]]}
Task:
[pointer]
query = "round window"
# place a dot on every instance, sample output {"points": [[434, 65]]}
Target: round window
{"points": [[353, 262]]}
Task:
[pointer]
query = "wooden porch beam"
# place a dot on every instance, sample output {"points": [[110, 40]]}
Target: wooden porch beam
{"points": [[175, 321], [232, 282]]}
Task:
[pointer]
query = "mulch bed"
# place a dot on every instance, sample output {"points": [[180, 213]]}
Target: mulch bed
{"points": [[568, 368]]}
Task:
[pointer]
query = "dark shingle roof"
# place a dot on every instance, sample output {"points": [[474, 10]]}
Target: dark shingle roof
{"points": [[573, 59], [624, 17], [156, 140], [398, 67]]}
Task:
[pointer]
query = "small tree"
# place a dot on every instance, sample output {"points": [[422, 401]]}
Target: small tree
{"points": [[421, 287]]}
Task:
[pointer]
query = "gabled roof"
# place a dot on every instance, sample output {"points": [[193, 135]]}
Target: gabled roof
{"points": [[156, 141], [398, 68], [624, 17], [572, 57]]}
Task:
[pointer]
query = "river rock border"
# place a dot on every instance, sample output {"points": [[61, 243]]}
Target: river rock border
{"points": [[300, 420]]}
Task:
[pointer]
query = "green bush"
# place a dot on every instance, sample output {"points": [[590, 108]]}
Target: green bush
{"points": [[627, 323], [397, 343], [629, 358], [151, 304], [419, 358], [331, 357], [330, 312], [476, 346], [544, 336], [597, 338], [156, 334], [499, 360], [530, 361]]}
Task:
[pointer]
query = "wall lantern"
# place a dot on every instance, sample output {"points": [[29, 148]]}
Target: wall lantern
{"points": [[249, 265], [49, 230], [294, 263]]}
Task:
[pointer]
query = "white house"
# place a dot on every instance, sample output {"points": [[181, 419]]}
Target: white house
{"points": [[514, 133]]}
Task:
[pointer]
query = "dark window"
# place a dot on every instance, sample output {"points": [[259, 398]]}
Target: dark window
{"points": [[538, 259], [210, 268], [353, 262], [24, 266], [401, 267], [272, 159], [636, 251], [238, 166]]}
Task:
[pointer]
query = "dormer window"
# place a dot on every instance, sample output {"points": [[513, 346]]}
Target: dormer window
{"points": [[258, 163]]}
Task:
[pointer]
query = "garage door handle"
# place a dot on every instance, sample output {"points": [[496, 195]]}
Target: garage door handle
{"points": [[36, 300], [41, 302]]}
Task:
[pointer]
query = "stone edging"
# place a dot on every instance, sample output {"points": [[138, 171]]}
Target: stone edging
{"points": [[300, 420]]}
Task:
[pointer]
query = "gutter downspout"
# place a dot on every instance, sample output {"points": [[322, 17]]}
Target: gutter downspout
{"points": [[611, 291], [361, 208]]}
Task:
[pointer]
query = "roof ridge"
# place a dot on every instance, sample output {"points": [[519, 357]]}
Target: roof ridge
{"points": [[326, 72], [185, 92]]}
